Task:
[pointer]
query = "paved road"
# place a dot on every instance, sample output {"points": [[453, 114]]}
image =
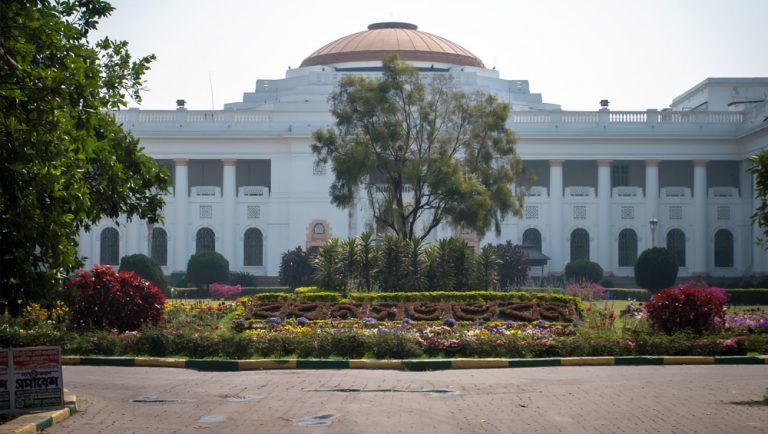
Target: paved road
{"points": [[658, 399]]}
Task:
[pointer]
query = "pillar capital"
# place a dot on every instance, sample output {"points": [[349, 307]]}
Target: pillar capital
{"points": [[604, 163], [229, 162], [181, 161], [652, 163], [556, 163], [700, 163]]}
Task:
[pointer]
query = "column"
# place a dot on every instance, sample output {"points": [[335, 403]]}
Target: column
{"points": [[556, 239], [604, 214], [84, 248], [181, 192], [229, 194], [700, 218], [133, 235], [652, 199]]}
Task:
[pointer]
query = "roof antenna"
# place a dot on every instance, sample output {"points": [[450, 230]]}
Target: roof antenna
{"points": [[210, 82]]}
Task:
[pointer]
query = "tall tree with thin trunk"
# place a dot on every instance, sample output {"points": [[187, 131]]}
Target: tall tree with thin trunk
{"points": [[420, 151]]}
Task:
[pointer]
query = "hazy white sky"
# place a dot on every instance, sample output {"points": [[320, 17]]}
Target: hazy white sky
{"points": [[639, 54]]}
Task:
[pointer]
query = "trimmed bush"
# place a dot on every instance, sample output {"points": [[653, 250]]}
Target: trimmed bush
{"points": [[106, 299], [582, 270], [296, 268], [205, 268], [145, 267], [656, 268], [687, 308]]}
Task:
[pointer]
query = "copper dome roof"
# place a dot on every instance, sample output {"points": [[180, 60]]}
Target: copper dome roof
{"points": [[382, 39]]}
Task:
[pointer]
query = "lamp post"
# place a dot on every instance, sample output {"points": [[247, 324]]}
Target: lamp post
{"points": [[654, 222]]}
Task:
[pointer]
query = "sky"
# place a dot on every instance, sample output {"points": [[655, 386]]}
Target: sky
{"points": [[638, 54]]}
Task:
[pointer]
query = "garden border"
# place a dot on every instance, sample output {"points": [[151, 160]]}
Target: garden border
{"points": [[36, 422], [408, 364]]}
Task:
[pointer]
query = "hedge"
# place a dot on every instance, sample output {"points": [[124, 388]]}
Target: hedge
{"points": [[750, 296], [195, 293], [628, 294]]}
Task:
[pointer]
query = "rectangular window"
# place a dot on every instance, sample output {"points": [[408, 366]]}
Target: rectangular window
{"points": [[254, 212], [627, 212], [723, 213], [619, 175], [675, 213]]}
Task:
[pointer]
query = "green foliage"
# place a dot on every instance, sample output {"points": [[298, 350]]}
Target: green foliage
{"points": [[752, 296], [759, 170], [514, 268], [486, 268], [350, 263], [205, 268], [65, 162], [399, 137], [329, 266], [582, 270], [415, 278], [368, 259], [392, 270], [145, 267], [656, 269], [440, 271], [296, 268], [242, 278]]}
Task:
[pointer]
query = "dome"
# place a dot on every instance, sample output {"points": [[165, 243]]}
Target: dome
{"points": [[382, 39]]}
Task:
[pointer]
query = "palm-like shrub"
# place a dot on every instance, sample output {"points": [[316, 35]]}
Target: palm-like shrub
{"points": [[415, 279], [486, 268], [328, 264], [392, 269], [655, 269], [367, 256], [350, 262]]}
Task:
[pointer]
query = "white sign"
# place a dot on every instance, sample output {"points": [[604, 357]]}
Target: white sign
{"points": [[30, 379]]}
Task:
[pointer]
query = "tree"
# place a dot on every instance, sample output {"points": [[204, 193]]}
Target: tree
{"points": [[759, 170], [65, 162], [420, 151], [296, 268]]}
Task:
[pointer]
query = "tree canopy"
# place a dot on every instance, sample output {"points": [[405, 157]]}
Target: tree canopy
{"points": [[65, 162], [420, 151], [759, 170]]}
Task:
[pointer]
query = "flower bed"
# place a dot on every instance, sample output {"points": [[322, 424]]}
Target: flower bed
{"points": [[415, 311], [383, 328]]}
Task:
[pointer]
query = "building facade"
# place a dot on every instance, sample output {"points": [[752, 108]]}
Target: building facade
{"points": [[606, 185]]}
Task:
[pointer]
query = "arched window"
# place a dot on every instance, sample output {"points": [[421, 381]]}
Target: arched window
{"points": [[532, 237], [579, 244], [205, 240], [627, 248], [253, 248], [159, 246], [676, 245], [110, 247], [723, 248]]}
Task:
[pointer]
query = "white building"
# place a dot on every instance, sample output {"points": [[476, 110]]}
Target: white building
{"points": [[244, 183]]}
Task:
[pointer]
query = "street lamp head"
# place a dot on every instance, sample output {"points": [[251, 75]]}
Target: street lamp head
{"points": [[654, 222]]}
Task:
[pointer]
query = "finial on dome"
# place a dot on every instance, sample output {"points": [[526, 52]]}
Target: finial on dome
{"points": [[393, 25]]}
